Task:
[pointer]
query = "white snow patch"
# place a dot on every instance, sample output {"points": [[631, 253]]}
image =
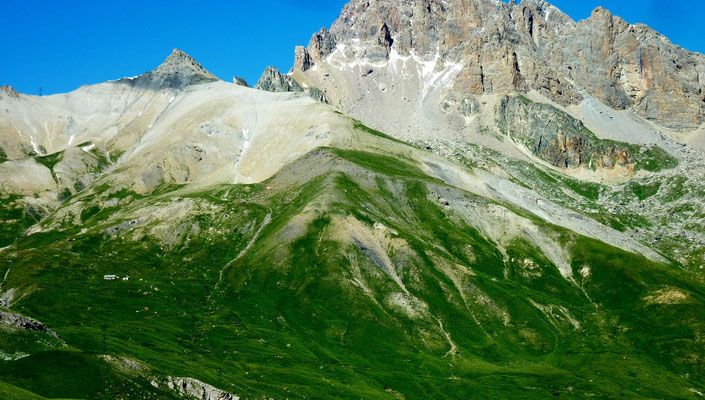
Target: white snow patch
{"points": [[248, 139], [119, 79], [34, 144]]}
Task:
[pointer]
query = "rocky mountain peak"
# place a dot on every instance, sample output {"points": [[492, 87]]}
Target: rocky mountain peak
{"points": [[321, 44], [501, 48], [240, 81], [9, 91], [180, 62], [274, 81], [600, 11], [178, 71]]}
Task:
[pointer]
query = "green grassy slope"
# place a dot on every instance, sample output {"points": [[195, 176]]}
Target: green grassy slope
{"points": [[10, 392], [344, 276]]}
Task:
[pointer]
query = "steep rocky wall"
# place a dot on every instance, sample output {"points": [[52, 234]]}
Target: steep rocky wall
{"points": [[521, 47], [558, 138]]}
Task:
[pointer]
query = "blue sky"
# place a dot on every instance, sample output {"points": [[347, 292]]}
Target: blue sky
{"points": [[61, 45]]}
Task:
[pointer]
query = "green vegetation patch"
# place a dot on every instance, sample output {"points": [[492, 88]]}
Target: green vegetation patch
{"points": [[381, 163], [16, 218], [654, 159], [306, 306], [50, 160], [71, 374], [10, 392], [103, 161], [643, 192], [589, 190], [364, 128]]}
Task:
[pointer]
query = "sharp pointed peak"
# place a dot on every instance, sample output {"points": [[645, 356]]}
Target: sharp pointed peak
{"points": [[179, 61], [178, 55], [178, 71]]}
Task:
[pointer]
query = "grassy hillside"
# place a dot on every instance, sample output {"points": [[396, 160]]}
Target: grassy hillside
{"points": [[349, 274]]}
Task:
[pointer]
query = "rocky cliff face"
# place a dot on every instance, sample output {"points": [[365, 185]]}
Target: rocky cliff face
{"points": [[273, 81], [489, 46], [557, 138]]}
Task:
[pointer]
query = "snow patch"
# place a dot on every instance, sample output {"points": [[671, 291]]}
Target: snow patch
{"points": [[248, 139], [34, 144]]}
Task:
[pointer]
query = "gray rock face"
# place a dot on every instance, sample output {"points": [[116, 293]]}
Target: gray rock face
{"points": [[318, 95], [466, 106], [558, 138], [240, 81], [9, 91], [178, 71], [273, 81], [384, 38], [302, 59], [321, 44], [18, 321], [508, 47], [196, 389]]}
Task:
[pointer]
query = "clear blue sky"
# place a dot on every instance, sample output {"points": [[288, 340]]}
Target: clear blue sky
{"points": [[61, 45]]}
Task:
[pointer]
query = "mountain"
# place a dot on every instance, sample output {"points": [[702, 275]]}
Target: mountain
{"points": [[612, 104], [176, 72], [528, 232], [463, 48]]}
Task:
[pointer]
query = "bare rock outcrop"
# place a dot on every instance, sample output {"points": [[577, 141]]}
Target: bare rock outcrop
{"points": [[196, 389], [508, 47], [558, 138], [302, 59], [240, 81], [18, 321], [9, 91], [321, 44], [178, 71], [274, 81]]}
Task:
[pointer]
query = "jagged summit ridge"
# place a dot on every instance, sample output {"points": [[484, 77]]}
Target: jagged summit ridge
{"points": [[274, 81], [531, 46], [178, 71]]}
